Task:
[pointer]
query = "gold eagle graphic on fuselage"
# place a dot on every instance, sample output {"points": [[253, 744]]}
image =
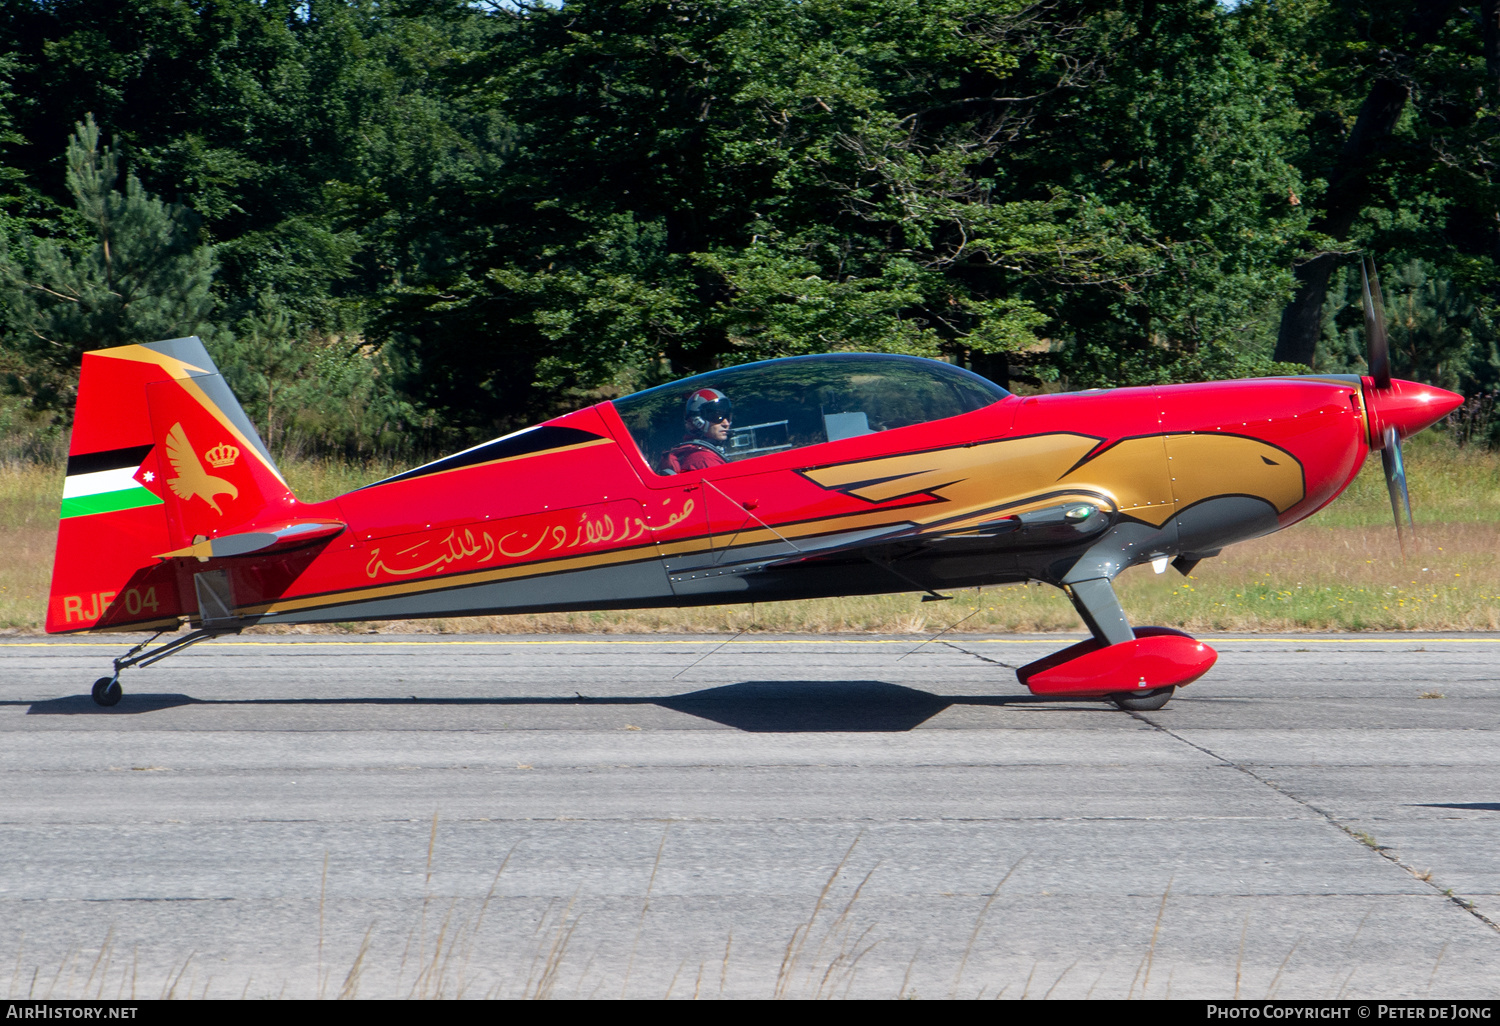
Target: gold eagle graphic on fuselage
{"points": [[1149, 478], [191, 478]]}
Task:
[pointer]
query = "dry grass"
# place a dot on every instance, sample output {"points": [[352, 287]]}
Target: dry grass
{"points": [[1340, 571], [29, 499], [318, 480], [1448, 485], [1333, 578]]}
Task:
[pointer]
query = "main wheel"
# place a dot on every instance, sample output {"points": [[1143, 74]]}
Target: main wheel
{"points": [[107, 691], [1142, 701]]}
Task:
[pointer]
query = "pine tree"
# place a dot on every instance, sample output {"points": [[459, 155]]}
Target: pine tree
{"points": [[136, 274], [1435, 331], [1437, 334]]}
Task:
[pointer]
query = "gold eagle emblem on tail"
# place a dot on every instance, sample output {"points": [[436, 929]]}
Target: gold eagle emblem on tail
{"points": [[191, 478]]}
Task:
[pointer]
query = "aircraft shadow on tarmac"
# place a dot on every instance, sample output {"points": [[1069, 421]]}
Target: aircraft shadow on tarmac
{"points": [[819, 706], [754, 706], [1468, 806]]}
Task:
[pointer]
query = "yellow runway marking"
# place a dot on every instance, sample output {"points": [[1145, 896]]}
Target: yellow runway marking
{"points": [[714, 639]]}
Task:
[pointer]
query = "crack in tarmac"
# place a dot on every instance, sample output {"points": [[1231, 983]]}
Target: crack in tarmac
{"points": [[1463, 903], [976, 655]]}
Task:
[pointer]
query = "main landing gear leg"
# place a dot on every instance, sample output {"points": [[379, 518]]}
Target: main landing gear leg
{"points": [[1137, 669], [107, 689], [1097, 603], [1100, 609]]}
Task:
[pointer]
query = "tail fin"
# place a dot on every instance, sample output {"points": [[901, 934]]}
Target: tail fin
{"points": [[161, 457]]}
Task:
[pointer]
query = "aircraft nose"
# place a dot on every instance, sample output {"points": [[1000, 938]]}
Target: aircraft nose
{"points": [[1408, 406]]}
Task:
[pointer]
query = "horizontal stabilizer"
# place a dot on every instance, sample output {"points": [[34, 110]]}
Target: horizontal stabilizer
{"points": [[262, 542]]}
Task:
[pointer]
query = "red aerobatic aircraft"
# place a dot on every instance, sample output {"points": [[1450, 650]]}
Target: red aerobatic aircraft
{"points": [[810, 476]]}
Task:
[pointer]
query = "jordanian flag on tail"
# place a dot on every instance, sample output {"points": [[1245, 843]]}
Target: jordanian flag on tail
{"points": [[104, 482]]}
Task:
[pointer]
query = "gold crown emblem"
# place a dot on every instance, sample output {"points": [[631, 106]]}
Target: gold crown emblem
{"points": [[222, 455]]}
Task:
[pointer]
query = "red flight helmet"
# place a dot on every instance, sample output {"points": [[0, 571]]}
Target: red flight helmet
{"points": [[707, 406]]}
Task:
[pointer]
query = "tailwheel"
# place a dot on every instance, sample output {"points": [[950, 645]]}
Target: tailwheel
{"points": [[1141, 701], [107, 691]]}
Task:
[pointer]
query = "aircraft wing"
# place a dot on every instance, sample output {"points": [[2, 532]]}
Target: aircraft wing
{"points": [[746, 559], [1060, 525]]}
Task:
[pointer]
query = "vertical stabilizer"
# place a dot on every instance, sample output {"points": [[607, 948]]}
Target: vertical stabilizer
{"points": [[161, 455]]}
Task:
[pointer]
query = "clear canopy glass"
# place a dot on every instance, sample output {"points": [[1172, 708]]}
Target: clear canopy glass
{"points": [[805, 400]]}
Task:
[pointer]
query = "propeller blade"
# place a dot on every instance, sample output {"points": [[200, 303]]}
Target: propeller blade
{"points": [[1395, 482], [1379, 350]]}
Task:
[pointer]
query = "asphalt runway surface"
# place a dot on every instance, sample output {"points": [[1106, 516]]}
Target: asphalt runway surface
{"points": [[870, 816]]}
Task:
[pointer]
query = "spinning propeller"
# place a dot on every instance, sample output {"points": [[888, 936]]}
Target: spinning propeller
{"points": [[1380, 374], [1396, 409]]}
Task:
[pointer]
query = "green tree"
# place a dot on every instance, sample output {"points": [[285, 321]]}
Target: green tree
{"points": [[679, 184], [294, 130], [1400, 100], [490, 212], [12, 180], [1181, 144], [312, 394], [1436, 333], [138, 274]]}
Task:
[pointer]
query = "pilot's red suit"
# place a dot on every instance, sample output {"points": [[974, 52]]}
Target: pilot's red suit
{"points": [[694, 454]]}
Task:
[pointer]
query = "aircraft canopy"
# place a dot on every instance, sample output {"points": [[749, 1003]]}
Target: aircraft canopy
{"points": [[804, 400]]}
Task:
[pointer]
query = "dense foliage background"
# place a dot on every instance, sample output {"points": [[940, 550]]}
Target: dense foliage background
{"points": [[404, 224]]}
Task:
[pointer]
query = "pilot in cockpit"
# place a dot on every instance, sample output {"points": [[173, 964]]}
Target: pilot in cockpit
{"points": [[705, 418]]}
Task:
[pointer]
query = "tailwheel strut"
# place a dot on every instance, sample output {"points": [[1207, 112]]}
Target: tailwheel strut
{"points": [[107, 690]]}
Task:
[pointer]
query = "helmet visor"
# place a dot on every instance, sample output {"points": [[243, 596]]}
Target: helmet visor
{"points": [[719, 409]]}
